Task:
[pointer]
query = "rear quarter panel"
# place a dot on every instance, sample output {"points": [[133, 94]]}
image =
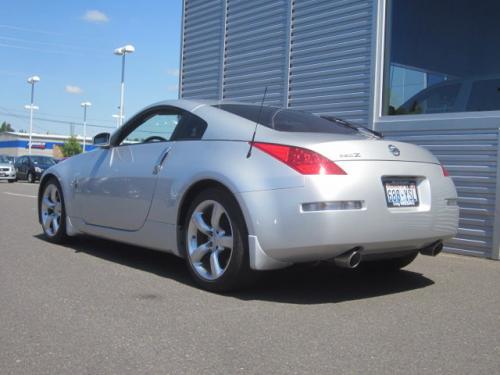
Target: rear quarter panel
{"points": [[223, 161]]}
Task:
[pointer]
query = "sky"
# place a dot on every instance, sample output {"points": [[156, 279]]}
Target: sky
{"points": [[69, 44]]}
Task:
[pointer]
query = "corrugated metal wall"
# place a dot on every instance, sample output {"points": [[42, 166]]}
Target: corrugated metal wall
{"points": [[471, 157], [311, 54], [255, 52], [331, 57], [201, 60]]}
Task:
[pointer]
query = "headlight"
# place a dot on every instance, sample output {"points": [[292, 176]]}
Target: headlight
{"points": [[38, 170]]}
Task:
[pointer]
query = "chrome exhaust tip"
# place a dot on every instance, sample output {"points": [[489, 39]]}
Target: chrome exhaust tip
{"points": [[350, 259], [433, 249]]}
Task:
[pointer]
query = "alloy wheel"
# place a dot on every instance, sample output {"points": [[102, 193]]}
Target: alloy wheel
{"points": [[210, 240], [51, 210]]}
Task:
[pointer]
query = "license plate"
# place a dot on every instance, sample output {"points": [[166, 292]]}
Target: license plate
{"points": [[401, 193], [3, 174]]}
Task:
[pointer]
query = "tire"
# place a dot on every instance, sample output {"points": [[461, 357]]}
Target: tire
{"points": [[52, 212], [31, 178], [215, 242], [11, 181], [389, 265]]}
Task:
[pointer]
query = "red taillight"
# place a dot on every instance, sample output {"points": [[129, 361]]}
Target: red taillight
{"points": [[302, 160], [445, 171]]}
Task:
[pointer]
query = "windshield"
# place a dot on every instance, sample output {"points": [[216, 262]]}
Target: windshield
{"points": [[287, 120], [43, 160], [3, 159]]}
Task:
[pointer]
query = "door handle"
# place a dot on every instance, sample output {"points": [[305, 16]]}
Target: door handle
{"points": [[159, 165]]}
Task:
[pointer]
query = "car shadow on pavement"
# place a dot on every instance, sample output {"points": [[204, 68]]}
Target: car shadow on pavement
{"points": [[301, 284], [156, 262], [326, 283]]}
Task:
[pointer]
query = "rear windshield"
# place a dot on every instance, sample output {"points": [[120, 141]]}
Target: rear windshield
{"points": [[287, 120]]}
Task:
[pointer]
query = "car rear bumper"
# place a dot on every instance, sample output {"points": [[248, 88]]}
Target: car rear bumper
{"points": [[286, 233], [7, 176]]}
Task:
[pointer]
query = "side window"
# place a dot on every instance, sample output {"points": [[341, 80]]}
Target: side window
{"points": [[156, 127], [485, 96], [189, 127]]}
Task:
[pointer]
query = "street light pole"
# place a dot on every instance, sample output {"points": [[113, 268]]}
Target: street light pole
{"points": [[122, 89], [32, 80], [117, 117], [85, 105], [122, 51]]}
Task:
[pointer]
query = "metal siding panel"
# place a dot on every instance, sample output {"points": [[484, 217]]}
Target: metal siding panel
{"points": [[471, 157], [326, 70], [495, 251], [330, 58], [255, 52], [203, 33]]}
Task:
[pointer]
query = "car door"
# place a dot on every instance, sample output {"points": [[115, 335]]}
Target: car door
{"points": [[119, 189], [17, 166], [21, 167]]}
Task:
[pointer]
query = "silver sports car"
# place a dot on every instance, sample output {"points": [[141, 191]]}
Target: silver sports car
{"points": [[236, 188]]}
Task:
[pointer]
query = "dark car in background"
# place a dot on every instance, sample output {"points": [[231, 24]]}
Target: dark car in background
{"points": [[31, 167]]}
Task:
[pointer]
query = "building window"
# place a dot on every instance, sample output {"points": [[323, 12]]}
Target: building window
{"points": [[442, 56]]}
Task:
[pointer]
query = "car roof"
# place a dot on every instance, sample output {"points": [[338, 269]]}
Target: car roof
{"points": [[192, 104]]}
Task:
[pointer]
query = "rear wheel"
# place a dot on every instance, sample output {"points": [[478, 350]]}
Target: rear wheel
{"points": [[215, 242], [389, 265], [52, 212]]}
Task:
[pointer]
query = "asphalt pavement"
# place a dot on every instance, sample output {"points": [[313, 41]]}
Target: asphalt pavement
{"points": [[99, 307]]}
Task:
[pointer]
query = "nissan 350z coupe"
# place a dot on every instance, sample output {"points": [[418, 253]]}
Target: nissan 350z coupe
{"points": [[237, 188]]}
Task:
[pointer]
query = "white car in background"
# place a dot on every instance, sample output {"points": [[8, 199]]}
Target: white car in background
{"points": [[7, 169]]}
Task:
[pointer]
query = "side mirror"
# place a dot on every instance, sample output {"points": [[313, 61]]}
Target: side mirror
{"points": [[102, 140]]}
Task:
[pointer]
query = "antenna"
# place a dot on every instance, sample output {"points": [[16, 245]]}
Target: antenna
{"points": [[257, 124]]}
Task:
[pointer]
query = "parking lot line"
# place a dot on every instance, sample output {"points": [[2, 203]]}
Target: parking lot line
{"points": [[19, 195]]}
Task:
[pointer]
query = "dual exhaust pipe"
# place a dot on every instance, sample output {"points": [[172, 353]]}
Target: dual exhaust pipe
{"points": [[352, 258], [433, 249]]}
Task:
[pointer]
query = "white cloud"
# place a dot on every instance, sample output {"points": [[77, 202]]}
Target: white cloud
{"points": [[95, 16], [172, 88], [73, 89], [173, 72]]}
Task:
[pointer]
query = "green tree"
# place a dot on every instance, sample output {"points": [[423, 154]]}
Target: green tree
{"points": [[71, 147], [6, 127]]}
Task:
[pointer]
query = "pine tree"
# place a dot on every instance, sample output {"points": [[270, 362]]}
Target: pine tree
{"points": [[6, 127]]}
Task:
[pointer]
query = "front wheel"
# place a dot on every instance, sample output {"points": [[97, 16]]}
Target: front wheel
{"points": [[11, 181], [52, 212], [31, 178], [215, 242]]}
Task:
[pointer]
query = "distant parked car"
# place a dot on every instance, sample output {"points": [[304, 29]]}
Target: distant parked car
{"points": [[11, 159], [7, 169], [31, 167]]}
